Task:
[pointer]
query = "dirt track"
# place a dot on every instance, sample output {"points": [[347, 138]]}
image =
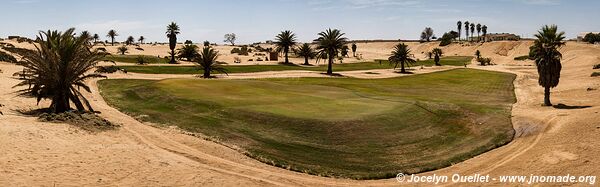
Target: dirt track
{"points": [[548, 141]]}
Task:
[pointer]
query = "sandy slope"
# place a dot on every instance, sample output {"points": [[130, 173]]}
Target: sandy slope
{"points": [[548, 142]]}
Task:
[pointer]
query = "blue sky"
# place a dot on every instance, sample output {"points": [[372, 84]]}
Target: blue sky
{"points": [[260, 20]]}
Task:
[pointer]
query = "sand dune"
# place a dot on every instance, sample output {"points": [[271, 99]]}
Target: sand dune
{"points": [[548, 142]]}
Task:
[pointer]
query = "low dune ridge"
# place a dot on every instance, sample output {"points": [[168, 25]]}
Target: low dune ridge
{"points": [[548, 141]]}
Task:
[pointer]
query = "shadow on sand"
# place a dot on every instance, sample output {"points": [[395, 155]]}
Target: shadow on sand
{"points": [[567, 107]]}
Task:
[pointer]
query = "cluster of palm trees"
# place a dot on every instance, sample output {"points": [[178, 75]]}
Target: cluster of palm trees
{"points": [[472, 27], [330, 43]]}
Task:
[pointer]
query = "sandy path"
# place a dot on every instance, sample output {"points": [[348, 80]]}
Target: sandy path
{"points": [[548, 141]]}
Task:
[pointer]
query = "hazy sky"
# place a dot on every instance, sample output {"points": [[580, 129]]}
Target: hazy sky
{"points": [[260, 20]]}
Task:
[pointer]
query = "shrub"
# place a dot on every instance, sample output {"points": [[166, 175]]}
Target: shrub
{"points": [[139, 48], [7, 57], [522, 58], [243, 51], [484, 61], [141, 60], [237, 60], [107, 69], [596, 74], [597, 66]]}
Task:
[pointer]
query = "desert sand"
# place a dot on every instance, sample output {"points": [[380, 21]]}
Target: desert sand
{"points": [[548, 141]]}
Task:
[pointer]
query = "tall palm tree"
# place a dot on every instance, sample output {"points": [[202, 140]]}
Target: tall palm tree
{"points": [[437, 53], [305, 51], [401, 56], [57, 68], [141, 39], [329, 43], [459, 27], [96, 37], [112, 34], [284, 41], [172, 32], [484, 31], [547, 56], [467, 30], [207, 60], [478, 31], [130, 40], [472, 30]]}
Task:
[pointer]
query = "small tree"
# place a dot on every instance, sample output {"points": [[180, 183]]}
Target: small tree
{"points": [[478, 54], [141, 39], [207, 61], [437, 53], [96, 37], [401, 56], [344, 51], [354, 50], [306, 52], [188, 51], [122, 50], [427, 34], [230, 38], [130, 40], [112, 34]]}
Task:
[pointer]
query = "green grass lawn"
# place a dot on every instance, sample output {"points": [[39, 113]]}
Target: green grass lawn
{"points": [[133, 59], [341, 127], [450, 61]]}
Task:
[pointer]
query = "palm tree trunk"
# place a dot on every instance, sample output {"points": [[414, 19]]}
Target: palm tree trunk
{"points": [[402, 70], [286, 56], [329, 65], [547, 96], [206, 73], [60, 103], [305, 60], [172, 56]]}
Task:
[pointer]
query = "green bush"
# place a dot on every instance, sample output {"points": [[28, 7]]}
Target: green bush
{"points": [[243, 51], [484, 61], [597, 66], [523, 58], [596, 74], [107, 69]]}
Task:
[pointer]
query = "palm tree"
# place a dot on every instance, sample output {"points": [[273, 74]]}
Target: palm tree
{"points": [[354, 49], [437, 53], [484, 31], [122, 50], [96, 37], [207, 60], [284, 41], [478, 31], [86, 34], [172, 32], [130, 40], [57, 69], [547, 56], [141, 39], [472, 30], [112, 34], [188, 51], [305, 51], [459, 25], [401, 55], [467, 30], [329, 43]]}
